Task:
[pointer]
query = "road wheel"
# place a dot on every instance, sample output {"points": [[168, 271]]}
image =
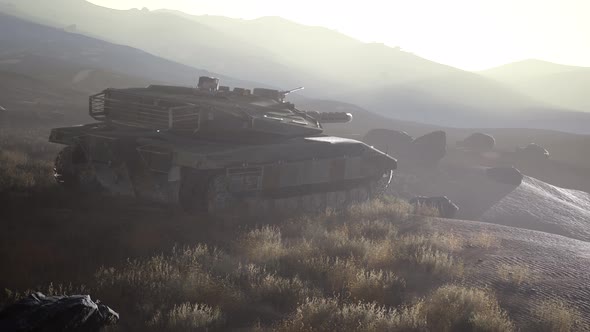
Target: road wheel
{"points": [[74, 171]]}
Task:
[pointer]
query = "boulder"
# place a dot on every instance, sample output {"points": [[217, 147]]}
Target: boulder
{"points": [[393, 142], [427, 150], [478, 142], [445, 207], [532, 151], [38, 312], [506, 175]]}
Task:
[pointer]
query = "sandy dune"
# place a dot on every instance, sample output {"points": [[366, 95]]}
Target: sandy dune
{"points": [[534, 204], [558, 267], [539, 205]]}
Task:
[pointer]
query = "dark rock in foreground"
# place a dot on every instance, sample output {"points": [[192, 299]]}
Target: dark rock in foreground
{"points": [[478, 142], [38, 312], [507, 175], [446, 208]]}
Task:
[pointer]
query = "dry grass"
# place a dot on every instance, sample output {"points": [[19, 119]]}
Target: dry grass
{"points": [[556, 316], [332, 271], [19, 172], [387, 209], [329, 314], [514, 273], [382, 287], [455, 308], [484, 240], [190, 317], [261, 245]]}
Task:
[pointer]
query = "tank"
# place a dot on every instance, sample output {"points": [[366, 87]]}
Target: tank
{"points": [[216, 150]]}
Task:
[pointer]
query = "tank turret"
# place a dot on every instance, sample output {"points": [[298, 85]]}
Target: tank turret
{"points": [[214, 149]]}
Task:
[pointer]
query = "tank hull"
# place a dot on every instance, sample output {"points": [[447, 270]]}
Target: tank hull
{"points": [[220, 177]]}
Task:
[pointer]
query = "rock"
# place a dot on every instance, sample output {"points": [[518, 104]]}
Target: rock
{"points": [[393, 142], [427, 150], [478, 142], [533, 151], [446, 208], [38, 312], [506, 175]]}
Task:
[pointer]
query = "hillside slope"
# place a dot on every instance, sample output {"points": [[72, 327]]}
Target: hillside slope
{"points": [[559, 85]]}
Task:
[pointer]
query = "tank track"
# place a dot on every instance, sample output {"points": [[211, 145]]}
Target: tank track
{"points": [[220, 202]]}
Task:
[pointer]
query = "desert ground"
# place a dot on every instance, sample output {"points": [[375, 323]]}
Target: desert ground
{"points": [[514, 257], [517, 268]]}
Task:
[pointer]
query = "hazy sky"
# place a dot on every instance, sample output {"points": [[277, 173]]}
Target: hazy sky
{"points": [[469, 34]]}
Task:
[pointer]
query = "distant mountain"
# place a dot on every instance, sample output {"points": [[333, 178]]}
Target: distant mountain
{"points": [[554, 84], [162, 34], [284, 54], [270, 49], [48, 73], [42, 51]]}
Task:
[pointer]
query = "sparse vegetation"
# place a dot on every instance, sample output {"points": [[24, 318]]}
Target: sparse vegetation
{"points": [[484, 240], [556, 316], [455, 308], [377, 266], [333, 271], [19, 172], [515, 274]]}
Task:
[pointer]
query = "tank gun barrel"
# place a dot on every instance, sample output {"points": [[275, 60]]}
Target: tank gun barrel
{"points": [[331, 117], [286, 92]]}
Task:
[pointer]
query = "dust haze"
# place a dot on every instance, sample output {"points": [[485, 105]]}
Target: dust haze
{"points": [[167, 164]]}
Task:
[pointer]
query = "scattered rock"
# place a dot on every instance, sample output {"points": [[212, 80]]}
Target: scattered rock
{"points": [[38, 312], [506, 175], [393, 142], [446, 208], [423, 151], [478, 142], [532, 151], [427, 150]]}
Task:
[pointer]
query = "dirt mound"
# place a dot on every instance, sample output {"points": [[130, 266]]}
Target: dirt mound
{"points": [[493, 195], [541, 206]]}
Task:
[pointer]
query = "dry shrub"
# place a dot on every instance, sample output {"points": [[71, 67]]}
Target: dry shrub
{"points": [[338, 243], [455, 308], [449, 242], [380, 209], [438, 262], [19, 172], [282, 294], [556, 316], [425, 210], [382, 255], [328, 314], [333, 275], [373, 230], [157, 284], [418, 250], [382, 287], [514, 274], [262, 245], [484, 240], [191, 317]]}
